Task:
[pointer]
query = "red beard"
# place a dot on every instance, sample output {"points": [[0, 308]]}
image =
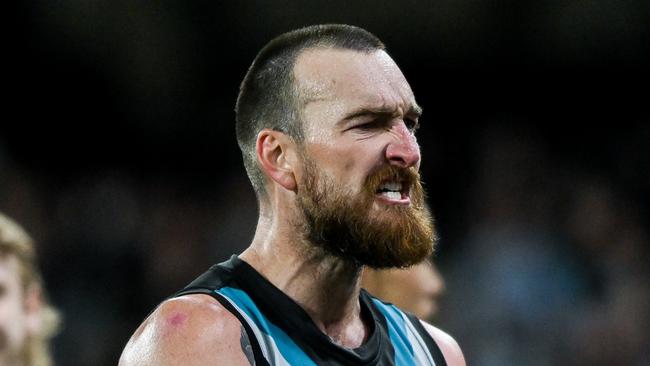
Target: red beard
{"points": [[351, 228]]}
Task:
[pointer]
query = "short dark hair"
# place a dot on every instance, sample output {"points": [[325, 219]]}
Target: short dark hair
{"points": [[268, 96]]}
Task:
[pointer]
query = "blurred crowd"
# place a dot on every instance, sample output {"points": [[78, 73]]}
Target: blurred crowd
{"points": [[553, 269], [111, 247], [550, 268]]}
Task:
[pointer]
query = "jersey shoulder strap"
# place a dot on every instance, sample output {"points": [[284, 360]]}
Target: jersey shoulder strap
{"points": [[405, 328], [436, 353], [207, 284]]}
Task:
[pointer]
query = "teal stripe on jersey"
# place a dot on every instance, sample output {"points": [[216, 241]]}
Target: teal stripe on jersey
{"points": [[289, 350], [398, 333]]}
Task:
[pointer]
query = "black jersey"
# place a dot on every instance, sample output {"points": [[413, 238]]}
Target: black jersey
{"points": [[282, 333]]}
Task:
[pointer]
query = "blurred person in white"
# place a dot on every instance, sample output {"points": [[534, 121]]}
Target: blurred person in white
{"points": [[415, 289], [27, 320]]}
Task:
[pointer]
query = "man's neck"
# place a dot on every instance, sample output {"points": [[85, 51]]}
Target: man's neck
{"points": [[327, 288]]}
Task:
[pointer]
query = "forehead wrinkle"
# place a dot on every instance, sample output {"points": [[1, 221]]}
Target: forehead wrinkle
{"points": [[312, 88], [399, 84], [314, 92], [338, 83], [398, 99], [395, 108], [392, 107]]}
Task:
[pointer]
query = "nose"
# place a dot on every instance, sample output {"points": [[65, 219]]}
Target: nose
{"points": [[403, 151]]}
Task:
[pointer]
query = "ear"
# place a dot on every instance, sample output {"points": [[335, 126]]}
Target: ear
{"points": [[276, 156], [34, 309]]}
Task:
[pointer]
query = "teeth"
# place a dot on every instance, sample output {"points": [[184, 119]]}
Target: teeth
{"points": [[392, 195], [391, 186]]}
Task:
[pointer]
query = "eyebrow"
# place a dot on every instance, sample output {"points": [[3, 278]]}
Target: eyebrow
{"points": [[380, 111]]}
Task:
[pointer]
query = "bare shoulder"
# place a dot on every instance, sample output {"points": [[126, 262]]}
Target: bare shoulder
{"points": [[448, 345], [189, 330]]}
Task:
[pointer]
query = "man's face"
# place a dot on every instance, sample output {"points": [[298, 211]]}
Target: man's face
{"points": [[416, 289], [359, 187], [14, 312]]}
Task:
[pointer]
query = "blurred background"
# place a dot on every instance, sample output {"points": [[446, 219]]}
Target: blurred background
{"points": [[118, 154]]}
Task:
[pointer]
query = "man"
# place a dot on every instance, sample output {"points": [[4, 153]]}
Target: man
{"points": [[325, 122], [415, 289], [27, 321]]}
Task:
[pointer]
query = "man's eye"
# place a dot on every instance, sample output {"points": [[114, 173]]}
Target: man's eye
{"points": [[367, 125], [411, 124]]}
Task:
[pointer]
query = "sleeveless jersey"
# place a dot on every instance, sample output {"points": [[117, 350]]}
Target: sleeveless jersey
{"points": [[282, 333]]}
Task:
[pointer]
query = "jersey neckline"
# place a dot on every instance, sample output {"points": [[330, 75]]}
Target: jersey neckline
{"points": [[276, 305]]}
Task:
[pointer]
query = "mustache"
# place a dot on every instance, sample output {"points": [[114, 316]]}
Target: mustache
{"points": [[407, 176]]}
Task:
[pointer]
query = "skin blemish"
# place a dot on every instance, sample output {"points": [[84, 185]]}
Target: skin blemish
{"points": [[348, 166], [177, 319]]}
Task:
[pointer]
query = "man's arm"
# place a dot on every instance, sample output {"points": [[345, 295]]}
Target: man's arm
{"points": [[189, 330], [448, 345]]}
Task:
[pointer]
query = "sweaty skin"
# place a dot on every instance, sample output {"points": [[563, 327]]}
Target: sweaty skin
{"points": [[347, 146]]}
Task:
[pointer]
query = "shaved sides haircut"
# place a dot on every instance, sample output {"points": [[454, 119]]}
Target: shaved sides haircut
{"points": [[268, 96]]}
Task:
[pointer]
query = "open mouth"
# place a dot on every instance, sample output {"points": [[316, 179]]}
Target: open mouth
{"points": [[394, 192]]}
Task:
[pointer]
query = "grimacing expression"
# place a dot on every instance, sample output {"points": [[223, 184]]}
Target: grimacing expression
{"points": [[359, 188], [345, 224]]}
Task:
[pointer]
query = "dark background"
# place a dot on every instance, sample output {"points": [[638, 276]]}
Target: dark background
{"points": [[118, 154]]}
